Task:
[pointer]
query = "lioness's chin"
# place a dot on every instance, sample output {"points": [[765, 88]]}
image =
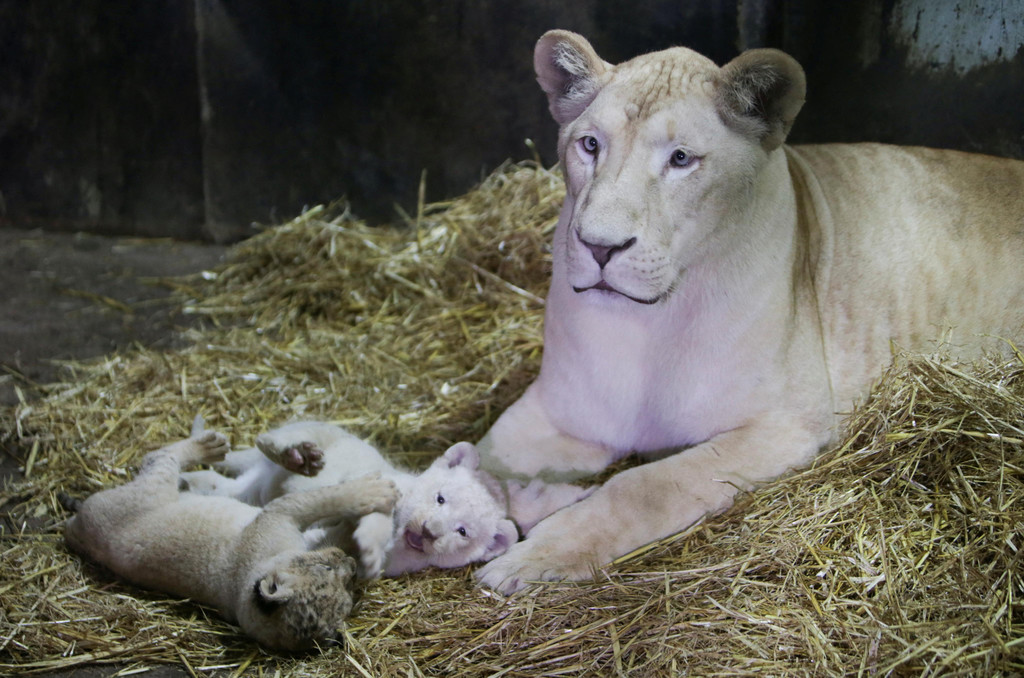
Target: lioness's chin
{"points": [[605, 290]]}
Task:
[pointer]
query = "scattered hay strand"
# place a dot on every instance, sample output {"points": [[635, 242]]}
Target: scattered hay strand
{"points": [[898, 553]]}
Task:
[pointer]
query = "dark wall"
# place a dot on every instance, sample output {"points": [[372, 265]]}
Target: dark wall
{"points": [[945, 73], [98, 116], [196, 118], [310, 101]]}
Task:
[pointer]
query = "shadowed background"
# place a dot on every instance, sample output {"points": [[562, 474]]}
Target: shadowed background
{"points": [[195, 119]]}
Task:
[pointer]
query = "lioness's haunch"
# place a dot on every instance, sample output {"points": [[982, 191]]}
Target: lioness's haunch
{"points": [[722, 296], [253, 565]]}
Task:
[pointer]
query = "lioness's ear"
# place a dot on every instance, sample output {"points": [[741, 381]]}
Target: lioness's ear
{"points": [[505, 535], [568, 70], [460, 454], [760, 93]]}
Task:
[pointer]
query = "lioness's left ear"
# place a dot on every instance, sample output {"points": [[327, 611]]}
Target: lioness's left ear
{"points": [[568, 70], [760, 92], [505, 535], [460, 454]]}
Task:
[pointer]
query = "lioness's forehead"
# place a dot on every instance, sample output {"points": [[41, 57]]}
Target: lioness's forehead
{"points": [[653, 79]]}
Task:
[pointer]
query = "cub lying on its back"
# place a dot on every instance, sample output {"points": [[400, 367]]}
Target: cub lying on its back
{"points": [[254, 565], [450, 515]]}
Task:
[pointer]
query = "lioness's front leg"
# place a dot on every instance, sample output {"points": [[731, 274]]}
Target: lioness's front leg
{"points": [[649, 502], [524, 444]]}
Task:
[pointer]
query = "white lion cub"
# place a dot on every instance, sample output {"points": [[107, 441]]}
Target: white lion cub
{"points": [[450, 515], [252, 564]]}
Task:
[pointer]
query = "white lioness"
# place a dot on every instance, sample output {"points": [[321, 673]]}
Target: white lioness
{"points": [[253, 565], [450, 515], [717, 291]]}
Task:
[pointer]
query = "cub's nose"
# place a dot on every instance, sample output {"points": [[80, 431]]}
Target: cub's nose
{"points": [[603, 253], [427, 534]]}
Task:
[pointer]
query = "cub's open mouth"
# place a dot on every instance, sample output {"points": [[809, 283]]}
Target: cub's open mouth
{"points": [[605, 287]]}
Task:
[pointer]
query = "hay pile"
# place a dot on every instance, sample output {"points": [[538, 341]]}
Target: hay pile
{"points": [[897, 554]]}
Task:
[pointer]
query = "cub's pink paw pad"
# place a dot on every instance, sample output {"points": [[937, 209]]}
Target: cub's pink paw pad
{"points": [[305, 458]]}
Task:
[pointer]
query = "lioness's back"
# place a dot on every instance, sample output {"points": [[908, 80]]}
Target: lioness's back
{"points": [[916, 239], [967, 190]]}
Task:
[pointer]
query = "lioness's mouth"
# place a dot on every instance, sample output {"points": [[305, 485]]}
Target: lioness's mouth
{"points": [[605, 287]]}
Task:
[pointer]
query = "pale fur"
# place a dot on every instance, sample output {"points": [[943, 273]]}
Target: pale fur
{"points": [[776, 282], [450, 515], [251, 564]]}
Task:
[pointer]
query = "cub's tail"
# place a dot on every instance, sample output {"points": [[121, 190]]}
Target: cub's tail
{"points": [[70, 504]]}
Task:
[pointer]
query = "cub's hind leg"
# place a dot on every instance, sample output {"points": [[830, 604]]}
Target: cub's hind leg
{"points": [[107, 513], [161, 469]]}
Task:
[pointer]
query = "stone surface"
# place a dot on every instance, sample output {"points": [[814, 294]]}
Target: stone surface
{"points": [[78, 296]]}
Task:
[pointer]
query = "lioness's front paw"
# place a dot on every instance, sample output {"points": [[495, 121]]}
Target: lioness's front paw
{"points": [[304, 457], [212, 446], [535, 560]]}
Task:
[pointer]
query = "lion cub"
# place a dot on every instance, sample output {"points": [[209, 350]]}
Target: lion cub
{"points": [[450, 515], [254, 565]]}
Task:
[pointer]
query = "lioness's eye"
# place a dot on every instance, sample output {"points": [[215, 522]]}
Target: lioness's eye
{"points": [[440, 498], [681, 158], [589, 145]]}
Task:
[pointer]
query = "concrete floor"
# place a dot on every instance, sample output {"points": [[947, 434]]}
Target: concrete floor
{"points": [[70, 296], [76, 296]]}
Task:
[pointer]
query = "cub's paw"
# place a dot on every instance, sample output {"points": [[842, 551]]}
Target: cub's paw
{"points": [[304, 458], [211, 445], [373, 537], [374, 494]]}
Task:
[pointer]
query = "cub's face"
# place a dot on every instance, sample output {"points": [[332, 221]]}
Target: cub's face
{"points": [[298, 599], [450, 516]]}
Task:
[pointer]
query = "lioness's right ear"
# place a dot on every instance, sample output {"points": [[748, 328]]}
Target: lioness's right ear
{"points": [[569, 71]]}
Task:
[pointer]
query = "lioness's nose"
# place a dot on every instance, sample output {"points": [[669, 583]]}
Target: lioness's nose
{"points": [[603, 253]]}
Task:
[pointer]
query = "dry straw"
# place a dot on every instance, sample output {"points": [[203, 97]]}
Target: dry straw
{"points": [[899, 553]]}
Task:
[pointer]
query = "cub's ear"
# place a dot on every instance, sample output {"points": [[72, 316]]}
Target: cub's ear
{"points": [[505, 534], [760, 92], [271, 592], [459, 454], [569, 71]]}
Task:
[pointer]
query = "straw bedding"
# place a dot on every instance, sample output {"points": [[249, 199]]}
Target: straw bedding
{"points": [[898, 553]]}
